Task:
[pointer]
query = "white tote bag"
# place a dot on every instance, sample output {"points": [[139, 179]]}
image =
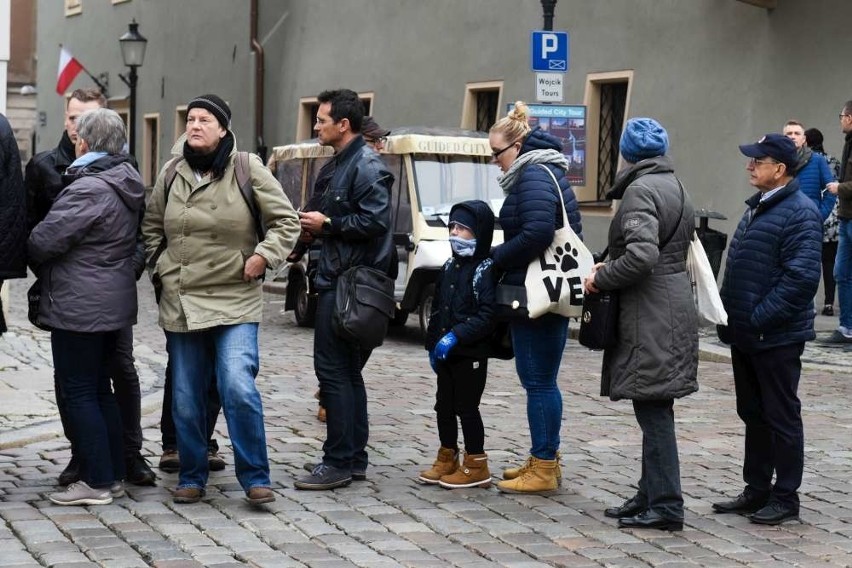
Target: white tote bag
{"points": [[708, 304], [554, 280]]}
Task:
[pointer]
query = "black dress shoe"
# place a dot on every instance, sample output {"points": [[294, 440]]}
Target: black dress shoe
{"points": [[650, 520], [745, 503], [139, 472], [629, 508], [775, 513]]}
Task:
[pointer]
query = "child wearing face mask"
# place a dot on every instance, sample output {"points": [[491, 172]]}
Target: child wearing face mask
{"points": [[457, 339]]}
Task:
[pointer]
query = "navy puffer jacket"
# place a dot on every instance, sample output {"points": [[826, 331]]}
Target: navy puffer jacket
{"points": [[464, 292], [773, 272], [529, 216], [813, 177]]}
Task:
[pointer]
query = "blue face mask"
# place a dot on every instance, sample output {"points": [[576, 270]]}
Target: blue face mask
{"points": [[463, 247]]}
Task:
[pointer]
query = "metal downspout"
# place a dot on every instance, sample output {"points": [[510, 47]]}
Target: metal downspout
{"points": [[258, 83]]}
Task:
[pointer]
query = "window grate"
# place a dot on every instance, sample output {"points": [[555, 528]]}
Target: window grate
{"points": [[486, 109], [613, 105]]}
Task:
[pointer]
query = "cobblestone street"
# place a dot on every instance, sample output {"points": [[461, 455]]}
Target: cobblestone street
{"points": [[389, 520]]}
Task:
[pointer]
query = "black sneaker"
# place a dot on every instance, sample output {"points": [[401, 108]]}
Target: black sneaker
{"points": [[836, 338], [324, 477], [828, 310], [139, 472], [71, 473], [357, 474]]}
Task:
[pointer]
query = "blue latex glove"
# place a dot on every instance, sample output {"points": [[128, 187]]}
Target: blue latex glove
{"points": [[442, 348], [433, 361]]}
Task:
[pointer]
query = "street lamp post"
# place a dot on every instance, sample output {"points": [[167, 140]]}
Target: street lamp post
{"points": [[133, 52], [547, 9]]}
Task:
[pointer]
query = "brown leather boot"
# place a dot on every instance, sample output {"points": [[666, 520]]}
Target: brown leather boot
{"points": [[472, 473], [514, 472], [446, 463], [539, 477]]}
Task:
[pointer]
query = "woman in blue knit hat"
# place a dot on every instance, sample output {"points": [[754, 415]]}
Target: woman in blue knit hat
{"points": [[656, 357]]}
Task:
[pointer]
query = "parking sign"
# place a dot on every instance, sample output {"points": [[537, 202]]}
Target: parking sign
{"points": [[549, 51]]}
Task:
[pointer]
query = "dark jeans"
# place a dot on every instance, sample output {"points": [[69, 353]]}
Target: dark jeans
{"points": [[338, 367], [461, 382], [125, 382], [167, 421], [82, 364], [659, 485], [829, 253], [766, 384]]}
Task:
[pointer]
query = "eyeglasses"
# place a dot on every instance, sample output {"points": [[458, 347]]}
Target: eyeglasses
{"points": [[496, 154], [380, 139], [753, 162], [842, 114]]}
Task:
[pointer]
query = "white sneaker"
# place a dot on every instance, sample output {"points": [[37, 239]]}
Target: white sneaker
{"points": [[80, 493]]}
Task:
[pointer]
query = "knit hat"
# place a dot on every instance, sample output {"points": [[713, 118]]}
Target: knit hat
{"points": [[215, 105], [643, 138], [464, 217], [371, 129]]}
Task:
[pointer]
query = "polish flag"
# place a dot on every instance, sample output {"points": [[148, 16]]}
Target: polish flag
{"points": [[69, 68]]}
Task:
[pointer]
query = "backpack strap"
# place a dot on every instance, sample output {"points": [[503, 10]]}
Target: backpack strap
{"points": [[242, 170], [168, 180]]}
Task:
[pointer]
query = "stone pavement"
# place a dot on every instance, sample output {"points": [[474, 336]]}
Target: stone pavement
{"points": [[391, 521]]}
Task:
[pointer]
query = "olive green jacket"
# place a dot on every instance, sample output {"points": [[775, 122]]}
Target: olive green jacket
{"points": [[210, 234]]}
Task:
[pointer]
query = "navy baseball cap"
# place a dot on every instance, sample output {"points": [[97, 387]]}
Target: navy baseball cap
{"points": [[775, 146]]}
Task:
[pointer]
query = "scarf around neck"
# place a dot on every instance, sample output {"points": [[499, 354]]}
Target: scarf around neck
{"points": [[215, 162], [507, 180]]}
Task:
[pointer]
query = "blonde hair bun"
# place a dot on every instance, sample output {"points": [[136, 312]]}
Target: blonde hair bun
{"points": [[519, 112]]}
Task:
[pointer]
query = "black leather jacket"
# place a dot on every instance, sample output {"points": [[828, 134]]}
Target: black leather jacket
{"points": [[43, 179], [358, 203]]}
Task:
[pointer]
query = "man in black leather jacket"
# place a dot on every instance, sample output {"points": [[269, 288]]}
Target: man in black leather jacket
{"points": [[13, 233], [43, 181], [353, 220]]}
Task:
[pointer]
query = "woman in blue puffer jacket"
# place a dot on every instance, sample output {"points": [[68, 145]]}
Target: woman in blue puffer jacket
{"points": [[529, 217]]}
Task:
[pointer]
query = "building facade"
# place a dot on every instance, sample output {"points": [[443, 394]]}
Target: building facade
{"points": [[716, 73]]}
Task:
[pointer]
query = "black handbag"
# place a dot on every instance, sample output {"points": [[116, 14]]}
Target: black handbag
{"points": [[33, 301], [364, 305], [511, 302], [599, 322]]}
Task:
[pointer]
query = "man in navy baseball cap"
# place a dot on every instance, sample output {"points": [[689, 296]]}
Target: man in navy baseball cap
{"points": [[775, 146]]}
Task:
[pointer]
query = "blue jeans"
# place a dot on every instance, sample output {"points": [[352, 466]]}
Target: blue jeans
{"points": [[338, 367], [82, 364], [538, 346], [229, 351], [843, 273]]}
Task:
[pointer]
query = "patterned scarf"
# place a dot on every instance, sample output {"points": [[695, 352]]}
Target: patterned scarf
{"points": [[507, 180]]}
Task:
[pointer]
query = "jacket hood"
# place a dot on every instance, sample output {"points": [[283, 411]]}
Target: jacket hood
{"points": [[802, 158], [538, 139], [116, 170], [657, 165], [484, 230]]}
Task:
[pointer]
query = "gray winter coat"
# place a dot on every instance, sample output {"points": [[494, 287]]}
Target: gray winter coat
{"points": [[656, 357], [83, 250]]}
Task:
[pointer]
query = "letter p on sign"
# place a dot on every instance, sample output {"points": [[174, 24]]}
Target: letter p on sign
{"points": [[549, 44]]}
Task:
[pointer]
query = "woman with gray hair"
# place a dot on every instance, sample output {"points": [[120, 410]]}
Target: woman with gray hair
{"points": [[83, 252]]}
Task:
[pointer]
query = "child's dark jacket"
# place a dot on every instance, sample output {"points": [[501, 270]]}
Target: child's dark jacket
{"points": [[464, 300]]}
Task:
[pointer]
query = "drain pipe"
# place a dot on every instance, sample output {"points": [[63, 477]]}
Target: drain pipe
{"points": [[258, 84]]}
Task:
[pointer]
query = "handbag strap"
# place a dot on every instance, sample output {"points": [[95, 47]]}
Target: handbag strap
{"points": [[559, 193], [679, 217], [668, 239]]}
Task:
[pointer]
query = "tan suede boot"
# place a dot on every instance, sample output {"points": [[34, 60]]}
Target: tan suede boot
{"points": [[515, 472], [446, 463], [472, 473], [539, 477]]}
